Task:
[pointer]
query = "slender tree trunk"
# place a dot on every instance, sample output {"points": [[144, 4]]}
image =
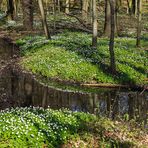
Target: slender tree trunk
{"points": [[116, 16], [90, 11], [27, 7], [0, 4], [40, 2], [129, 7], [58, 3], [67, 7], [139, 18], [16, 3], [54, 14], [10, 11], [135, 8], [81, 5], [85, 10], [95, 24], [107, 23], [112, 36]]}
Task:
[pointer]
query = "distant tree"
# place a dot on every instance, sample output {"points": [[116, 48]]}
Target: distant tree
{"points": [[132, 7], [107, 23], [112, 36], [54, 14], [58, 5], [136, 7], [139, 18], [90, 11], [95, 24], [129, 7], [0, 3], [10, 5], [85, 4], [40, 2], [27, 7], [16, 4], [67, 6]]}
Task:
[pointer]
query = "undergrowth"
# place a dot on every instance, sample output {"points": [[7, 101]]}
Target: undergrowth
{"points": [[69, 56], [38, 127]]}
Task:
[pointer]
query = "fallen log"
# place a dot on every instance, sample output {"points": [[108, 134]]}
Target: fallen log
{"points": [[106, 85]]}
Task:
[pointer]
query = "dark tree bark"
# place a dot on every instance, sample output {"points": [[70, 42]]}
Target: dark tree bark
{"points": [[40, 2], [129, 7], [139, 17], [16, 3], [95, 24], [133, 6], [112, 36], [107, 23], [10, 8], [0, 4], [27, 7]]}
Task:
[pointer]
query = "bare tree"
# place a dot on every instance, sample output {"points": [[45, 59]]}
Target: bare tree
{"points": [[95, 24], [139, 18], [16, 5], [85, 4], [67, 6], [112, 36], [40, 2], [27, 7], [107, 23]]}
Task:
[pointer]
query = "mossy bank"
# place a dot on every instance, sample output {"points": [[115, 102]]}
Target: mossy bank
{"points": [[69, 56]]}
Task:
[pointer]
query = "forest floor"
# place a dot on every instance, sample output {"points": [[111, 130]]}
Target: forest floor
{"points": [[70, 57], [93, 67], [29, 127]]}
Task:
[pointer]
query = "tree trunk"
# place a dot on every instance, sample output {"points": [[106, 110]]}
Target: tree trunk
{"points": [[67, 6], [117, 6], [107, 23], [58, 5], [129, 7], [16, 3], [27, 7], [95, 24], [54, 15], [40, 2], [139, 17], [0, 4], [85, 10], [10, 9], [111, 44], [135, 8]]}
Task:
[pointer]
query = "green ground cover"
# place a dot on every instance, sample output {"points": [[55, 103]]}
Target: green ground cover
{"points": [[69, 56], [38, 127]]}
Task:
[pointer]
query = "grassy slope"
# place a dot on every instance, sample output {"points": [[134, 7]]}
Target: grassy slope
{"points": [[69, 56], [38, 127]]}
